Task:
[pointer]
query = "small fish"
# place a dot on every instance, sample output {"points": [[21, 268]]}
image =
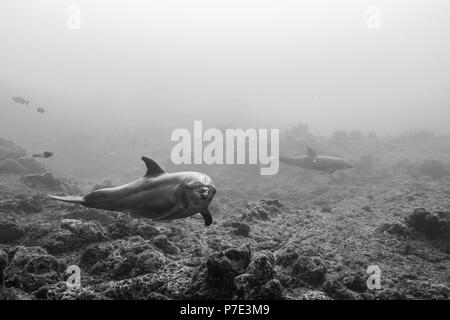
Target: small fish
{"points": [[20, 100], [46, 154], [40, 110]]}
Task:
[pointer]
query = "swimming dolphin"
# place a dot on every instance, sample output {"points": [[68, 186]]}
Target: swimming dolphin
{"points": [[312, 161], [159, 195]]}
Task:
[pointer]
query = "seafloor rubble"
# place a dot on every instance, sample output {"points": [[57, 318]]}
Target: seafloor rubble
{"points": [[297, 235]]}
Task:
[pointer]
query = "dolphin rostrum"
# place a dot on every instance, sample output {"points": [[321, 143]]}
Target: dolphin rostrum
{"points": [[313, 161], [159, 195]]}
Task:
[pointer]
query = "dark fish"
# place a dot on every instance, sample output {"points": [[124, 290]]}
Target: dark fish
{"points": [[40, 110], [46, 154], [20, 100], [312, 161]]}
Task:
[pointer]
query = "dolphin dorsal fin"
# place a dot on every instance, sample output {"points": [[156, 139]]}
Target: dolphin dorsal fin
{"points": [[311, 152], [153, 169]]}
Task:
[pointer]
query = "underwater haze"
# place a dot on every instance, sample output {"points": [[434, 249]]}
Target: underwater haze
{"points": [[354, 95]]}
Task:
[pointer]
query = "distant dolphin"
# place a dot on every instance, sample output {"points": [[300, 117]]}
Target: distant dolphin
{"points": [[159, 195], [312, 161]]}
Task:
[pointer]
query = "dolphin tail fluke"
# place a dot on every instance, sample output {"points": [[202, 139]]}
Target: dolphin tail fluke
{"points": [[70, 199]]}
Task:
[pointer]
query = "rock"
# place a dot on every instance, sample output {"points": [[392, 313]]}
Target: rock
{"points": [[257, 282], [137, 288], [309, 270], [46, 180], [31, 165], [22, 204], [390, 294], [14, 294], [355, 282], [162, 243], [409, 289], [286, 257], [241, 229], [216, 278], [125, 226], [272, 290], [262, 210], [122, 259], [11, 166], [396, 228], [262, 266], [65, 235], [336, 290], [31, 268], [156, 296], [432, 224], [314, 295], [60, 291], [3, 263], [103, 185], [30, 205], [8, 205], [9, 150], [95, 253], [433, 168], [89, 214], [10, 231], [148, 261]]}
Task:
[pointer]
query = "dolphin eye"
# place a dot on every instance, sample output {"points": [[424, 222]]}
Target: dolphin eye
{"points": [[193, 185]]}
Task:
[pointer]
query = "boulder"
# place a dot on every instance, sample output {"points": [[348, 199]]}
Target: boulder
{"points": [[162, 243], [10, 231], [310, 270], [30, 268], [122, 259], [125, 226], [216, 278], [11, 166], [46, 180], [65, 235], [434, 224]]}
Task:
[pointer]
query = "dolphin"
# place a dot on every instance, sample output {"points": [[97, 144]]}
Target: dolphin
{"points": [[159, 195], [313, 161]]}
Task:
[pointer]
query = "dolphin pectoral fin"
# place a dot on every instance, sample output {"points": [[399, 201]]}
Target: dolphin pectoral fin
{"points": [[327, 172], [206, 214]]}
